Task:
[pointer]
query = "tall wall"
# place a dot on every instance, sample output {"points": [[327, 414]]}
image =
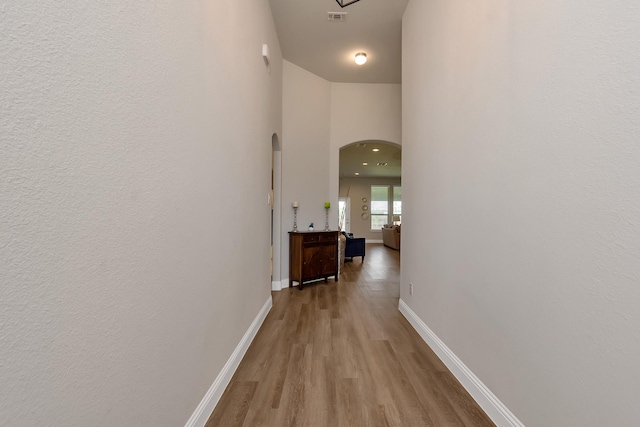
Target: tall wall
{"points": [[361, 111], [305, 153], [135, 155], [522, 187]]}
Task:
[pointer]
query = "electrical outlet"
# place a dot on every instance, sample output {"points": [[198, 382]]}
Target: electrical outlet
{"points": [[410, 288]]}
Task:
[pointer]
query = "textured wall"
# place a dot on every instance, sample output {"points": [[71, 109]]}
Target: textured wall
{"points": [[135, 151], [521, 182]]}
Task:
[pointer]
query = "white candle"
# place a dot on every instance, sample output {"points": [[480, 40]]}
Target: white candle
{"points": [[294, 204]]}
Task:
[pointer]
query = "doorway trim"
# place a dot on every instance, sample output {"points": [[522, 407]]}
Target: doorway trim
{"points": [[276, 223]]}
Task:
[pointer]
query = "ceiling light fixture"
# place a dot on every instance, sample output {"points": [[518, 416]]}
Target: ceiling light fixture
{"points": [[361, 58], [365, 164], [357, 173], [345, 3], [376, 149]]}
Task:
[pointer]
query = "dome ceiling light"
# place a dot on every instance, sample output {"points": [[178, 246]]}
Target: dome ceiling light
{"points": [[361, 58]]}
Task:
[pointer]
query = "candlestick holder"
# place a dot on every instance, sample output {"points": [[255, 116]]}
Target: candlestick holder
{"points": [[295, 219], [326, 223]]}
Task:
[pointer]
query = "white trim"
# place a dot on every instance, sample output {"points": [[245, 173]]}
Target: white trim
{"points": [[495, 409], [280, 285], [210, 400], [373, 241]]}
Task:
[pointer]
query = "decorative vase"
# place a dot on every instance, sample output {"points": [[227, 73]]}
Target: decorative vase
{"points": [[327, 206]]}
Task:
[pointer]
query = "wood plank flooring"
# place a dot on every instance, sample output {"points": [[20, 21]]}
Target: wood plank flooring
{"points": [[341, 354]]}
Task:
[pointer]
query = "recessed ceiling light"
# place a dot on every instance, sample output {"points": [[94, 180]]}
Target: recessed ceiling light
{"points": [[365, 164], [361, 58], [376, 149], [357, 173]]}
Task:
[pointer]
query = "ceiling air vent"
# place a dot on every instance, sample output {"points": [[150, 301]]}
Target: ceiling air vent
{"points": [[337, 16]]}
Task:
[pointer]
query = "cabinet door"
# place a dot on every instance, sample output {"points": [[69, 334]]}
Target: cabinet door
{"points": [[328, 254], [311, 262]]}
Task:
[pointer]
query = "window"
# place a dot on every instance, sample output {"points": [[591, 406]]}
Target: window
{"points": [[379, 206], [386, 201], [397, 203]]}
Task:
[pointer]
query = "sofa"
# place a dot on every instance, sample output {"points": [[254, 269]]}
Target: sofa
{"points": [[355, 246], [391, 236]]}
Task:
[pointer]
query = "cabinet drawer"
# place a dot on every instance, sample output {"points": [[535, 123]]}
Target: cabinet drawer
{"points": [[308, 238], [329, 237]]}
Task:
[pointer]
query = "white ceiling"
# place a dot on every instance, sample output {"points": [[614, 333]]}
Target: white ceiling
{"points": [[353, 156], [327, 49]]}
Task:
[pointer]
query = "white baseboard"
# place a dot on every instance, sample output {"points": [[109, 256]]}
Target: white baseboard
{"points": [[373, 241], [280, 285], [210, 400], [495, 409]]}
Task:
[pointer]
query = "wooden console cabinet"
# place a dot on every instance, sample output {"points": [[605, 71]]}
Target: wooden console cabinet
{"points": [[312, 255]]}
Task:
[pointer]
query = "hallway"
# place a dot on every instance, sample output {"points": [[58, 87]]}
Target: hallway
{"points": [[341, 354]]}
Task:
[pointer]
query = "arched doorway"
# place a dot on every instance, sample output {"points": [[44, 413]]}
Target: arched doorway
{"points": [[370, 184]]}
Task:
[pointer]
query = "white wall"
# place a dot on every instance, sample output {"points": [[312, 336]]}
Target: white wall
{"points": [[135, 146], [305, 153], [365, 111], [522, 187], [362, 111], [357, 189]]}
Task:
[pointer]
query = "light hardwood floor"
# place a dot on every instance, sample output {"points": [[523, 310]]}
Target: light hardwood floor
{"points": [[341, 354]]}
